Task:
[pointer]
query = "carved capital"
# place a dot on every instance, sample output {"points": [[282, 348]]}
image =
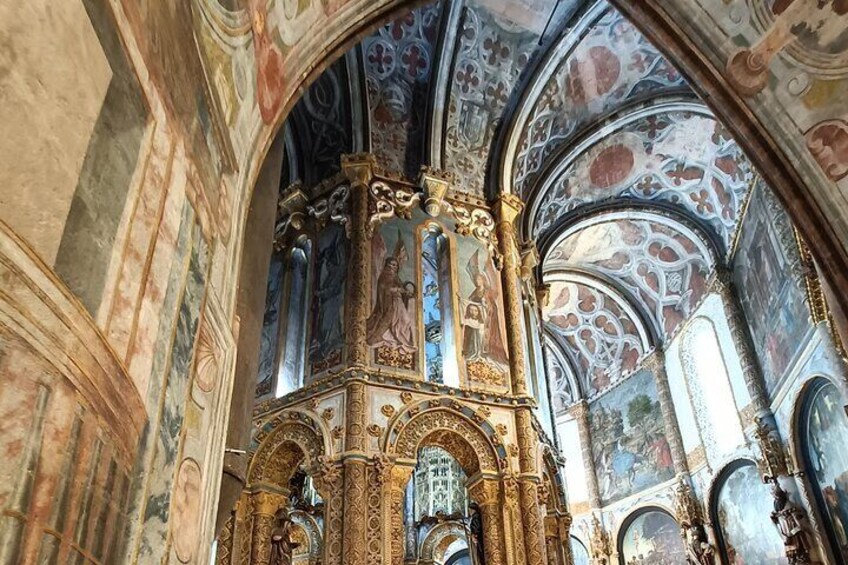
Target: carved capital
{"points": [[507, 208], [359, 167], [267, 503], [435, 184], [529, 260]]}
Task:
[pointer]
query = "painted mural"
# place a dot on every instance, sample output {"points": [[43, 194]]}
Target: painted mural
{"points": [[743, 510], [652, 538], [392, 325], [678, 157], [601, 334], [579, 552], [481, 315], [769, 275], [663, 264], [270, 328], [826, 427], [433, 259], [327, 312], [612, 64], [629, 444]]}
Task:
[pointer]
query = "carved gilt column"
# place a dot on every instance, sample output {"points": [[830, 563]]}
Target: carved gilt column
{"points": [[506, 209], [330, 485], [656, 363], [265, 506], [398, 479], [355, 477], [486, 493], [359, 169], [564, 521], [580, 413], [528, 485]]}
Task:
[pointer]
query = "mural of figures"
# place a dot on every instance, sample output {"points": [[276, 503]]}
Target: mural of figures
{"points": [[652, 538], [433, 257], [579, 552], [270, 328], [392, 325], [327, 342], [742, 515], [483, 334], [628, 439], [768, 274], [825, 429]]}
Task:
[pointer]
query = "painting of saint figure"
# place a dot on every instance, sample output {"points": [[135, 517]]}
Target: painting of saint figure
{"points": [[483, 343], [743, 513], [325, 349], [827, 459], [769, 276], [391, 326], [629, 444], [653, 538]]}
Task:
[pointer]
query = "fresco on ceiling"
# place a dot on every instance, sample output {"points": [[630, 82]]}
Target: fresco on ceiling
{"points": [[491, 54], [270, 328], [603, 339], [392, 325], [743, 510], [322, 123], [399, 60], [662, 267], [579, 552], [825, 430], [610, 66], [768, 273], [481, 314], [674, 157], [629, 444], [652, 538], [562, 393], [328, 299]]}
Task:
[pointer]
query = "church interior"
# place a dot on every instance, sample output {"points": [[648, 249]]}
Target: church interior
{"points": [[456, 282]]}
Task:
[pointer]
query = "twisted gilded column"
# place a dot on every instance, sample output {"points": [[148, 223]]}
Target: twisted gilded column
{"points": [[265, 506], [656, 363], [531, 510], [580, 413], [330, 485], [486, 493], [399, 478], [506, 209], [359, 169]]}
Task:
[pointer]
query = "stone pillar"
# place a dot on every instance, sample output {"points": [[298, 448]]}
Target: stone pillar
{"points": [[656, 363], [564, 523], [513, 523], [355, 477], [359, 169], [528, 485], [398, 480], [329, 483], [722, 284], [265, 506], [486, 493], [580, 412], [506, 209]]}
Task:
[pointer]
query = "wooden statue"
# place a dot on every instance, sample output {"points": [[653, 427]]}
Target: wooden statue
{"points": [[282, 545]]}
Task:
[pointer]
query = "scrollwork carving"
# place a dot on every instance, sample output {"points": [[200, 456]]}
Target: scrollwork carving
{"points": [[386, 202]]}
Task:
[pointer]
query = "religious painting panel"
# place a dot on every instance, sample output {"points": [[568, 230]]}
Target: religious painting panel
{"points": [[270, 328], [392, 326], [629, 444], [481, 316], [769, 275], [327, 338], [824, 432], [741, 513], [651, 538]]}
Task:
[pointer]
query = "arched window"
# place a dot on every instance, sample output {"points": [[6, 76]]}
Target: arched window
{"points": [[439, 484], [290, 375], [740, 512], [650, 536], [439, 334], [709, 388], [579, 553], [824, 427]]}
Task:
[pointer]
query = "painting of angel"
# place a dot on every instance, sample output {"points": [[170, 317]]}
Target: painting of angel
{"points": [[482, 330], [391, 327]]}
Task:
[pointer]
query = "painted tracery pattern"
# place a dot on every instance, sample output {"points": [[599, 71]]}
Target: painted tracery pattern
{"points": [[663, 267], [563, 394], [677, 157], [602, 337], [611, 65]]}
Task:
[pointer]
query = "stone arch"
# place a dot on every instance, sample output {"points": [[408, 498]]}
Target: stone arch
{"points": [[557, 499], [312, 531], [437, 540], [455, 427], [634, 515], [289, 443]]}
